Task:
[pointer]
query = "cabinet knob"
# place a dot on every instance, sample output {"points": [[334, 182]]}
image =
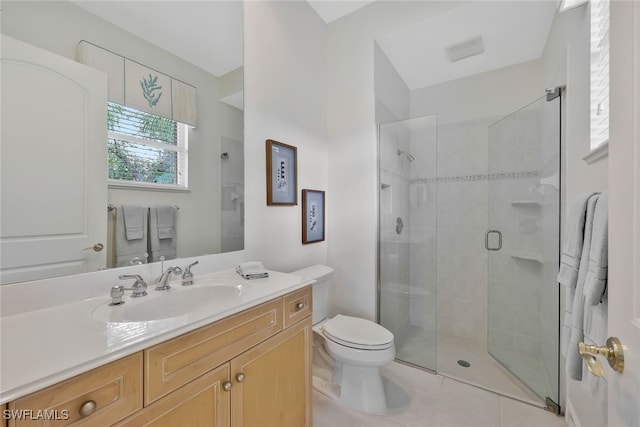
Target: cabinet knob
{"points": [[226, 386], [300, 306], [240, 377], [87, 408]]}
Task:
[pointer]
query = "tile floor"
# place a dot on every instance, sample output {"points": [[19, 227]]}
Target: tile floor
{"points": [[421, 399], [419, 348]]}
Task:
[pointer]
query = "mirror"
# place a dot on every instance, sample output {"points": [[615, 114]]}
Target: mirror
{"points": [[198, 43]]}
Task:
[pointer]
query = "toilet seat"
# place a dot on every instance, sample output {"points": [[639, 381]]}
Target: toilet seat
{"points": [[357, 333]]}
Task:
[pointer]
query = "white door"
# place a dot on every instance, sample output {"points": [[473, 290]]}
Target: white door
{"points": [[54, 164], [624, 207]]}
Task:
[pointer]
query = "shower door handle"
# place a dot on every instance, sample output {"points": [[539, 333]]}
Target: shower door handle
{"points": [[486, 240]]}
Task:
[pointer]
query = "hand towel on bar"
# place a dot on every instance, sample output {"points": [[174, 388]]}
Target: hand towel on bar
{"points": [[572, 250], [252, 270], [160, 247], [166, 221], [596, 282], [570, 262], [133, 221], [128, 252], [574, 361]]}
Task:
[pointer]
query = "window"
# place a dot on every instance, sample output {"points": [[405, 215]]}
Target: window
{"points": [[599, 72], [145, 149]]}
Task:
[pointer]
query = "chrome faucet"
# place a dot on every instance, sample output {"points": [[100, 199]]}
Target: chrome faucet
{"points": [[139, 287], [187, 276], [162, 282]]}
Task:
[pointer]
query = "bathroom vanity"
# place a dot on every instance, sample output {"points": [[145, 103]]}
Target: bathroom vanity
{"points": [[243, 365]]}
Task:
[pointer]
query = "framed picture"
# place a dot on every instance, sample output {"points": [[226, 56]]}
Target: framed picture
{"points": [[282, 174], [312, 216]]}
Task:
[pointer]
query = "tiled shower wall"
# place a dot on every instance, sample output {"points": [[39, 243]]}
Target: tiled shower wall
{"points": [[460, 206]]}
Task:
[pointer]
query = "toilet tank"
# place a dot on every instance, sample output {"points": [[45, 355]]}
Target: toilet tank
{"points": [[320, 290]]}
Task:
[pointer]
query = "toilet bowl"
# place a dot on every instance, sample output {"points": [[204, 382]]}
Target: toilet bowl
{"points": [[348, 352]]}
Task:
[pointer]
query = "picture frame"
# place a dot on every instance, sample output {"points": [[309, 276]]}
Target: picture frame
{"points": [[282, 174], [313, 216]]}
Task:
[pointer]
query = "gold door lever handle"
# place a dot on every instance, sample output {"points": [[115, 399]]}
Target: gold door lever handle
{"points": [[612, 352], [96, 248]]}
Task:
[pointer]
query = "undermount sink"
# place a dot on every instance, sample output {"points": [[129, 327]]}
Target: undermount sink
{"points": [[174, 302]]}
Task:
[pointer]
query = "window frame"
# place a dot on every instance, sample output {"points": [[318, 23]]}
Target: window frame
{"points": [[182, 153]]}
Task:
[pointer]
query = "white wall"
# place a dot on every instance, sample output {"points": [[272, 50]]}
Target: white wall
{"points": [[285, 100], [391, 92], [352, 143], [59, 26], [566, 61], [491, 94]]}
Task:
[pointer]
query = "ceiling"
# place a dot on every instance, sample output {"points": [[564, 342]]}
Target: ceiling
{"points": [[512, 32], [330, 10]]}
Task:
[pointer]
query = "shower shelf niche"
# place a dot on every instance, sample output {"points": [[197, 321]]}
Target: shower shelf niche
{"points": [[527, 256], [533, 203]]}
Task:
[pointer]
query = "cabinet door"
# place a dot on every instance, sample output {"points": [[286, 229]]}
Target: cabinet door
{"points": [[201, 403], [272, 381]]}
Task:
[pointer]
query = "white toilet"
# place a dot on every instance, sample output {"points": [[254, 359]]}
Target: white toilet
{"points": [[350, 349]]}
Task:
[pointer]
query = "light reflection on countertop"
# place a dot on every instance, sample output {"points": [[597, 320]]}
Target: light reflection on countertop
{"points": [[43, 347]]}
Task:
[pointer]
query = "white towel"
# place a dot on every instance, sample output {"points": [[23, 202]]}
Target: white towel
{"points": [[570, 262], [574, 361], [596, 282], [166, 217], [160, 247], [572, 250], [252, 270], [134, 221], [129, 252]]}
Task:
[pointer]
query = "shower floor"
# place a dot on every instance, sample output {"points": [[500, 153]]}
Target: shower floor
{"points": [[417, 348]]}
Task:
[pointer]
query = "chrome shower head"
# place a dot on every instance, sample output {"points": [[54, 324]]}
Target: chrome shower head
{"points": [[407, 155]]}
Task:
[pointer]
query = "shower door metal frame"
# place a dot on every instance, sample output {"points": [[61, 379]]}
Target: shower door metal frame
{"points": [[550, 95]]}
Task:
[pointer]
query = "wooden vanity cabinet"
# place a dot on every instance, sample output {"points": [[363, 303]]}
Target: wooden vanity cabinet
{"points": [[251, 369], [202, 402], [272, 381], [97, 398]]}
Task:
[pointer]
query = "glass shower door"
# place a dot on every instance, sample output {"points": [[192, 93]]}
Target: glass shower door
{"points": [[522, 243], [407, 238]]}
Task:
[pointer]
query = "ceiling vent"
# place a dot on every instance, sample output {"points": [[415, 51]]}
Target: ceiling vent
{"points": [[464, 49]]}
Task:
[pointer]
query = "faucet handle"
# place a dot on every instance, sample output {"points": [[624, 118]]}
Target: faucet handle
{"points": [[187, 275], [116, 294], [139, 288]]}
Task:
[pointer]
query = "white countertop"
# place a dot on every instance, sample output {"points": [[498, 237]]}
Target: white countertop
{"points": [[43, 347]]}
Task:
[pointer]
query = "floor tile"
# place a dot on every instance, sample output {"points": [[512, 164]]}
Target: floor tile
{"points": [[474, 399], [518, 414], [417, 398]]}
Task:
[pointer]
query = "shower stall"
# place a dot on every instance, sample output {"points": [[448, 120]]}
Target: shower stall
{"points": [[469, 229]]}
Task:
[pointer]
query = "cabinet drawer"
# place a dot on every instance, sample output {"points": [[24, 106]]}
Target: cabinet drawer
{"points": [[174, 363], [297, 305], [115, 388]]}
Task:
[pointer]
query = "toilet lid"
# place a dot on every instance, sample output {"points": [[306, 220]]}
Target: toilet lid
{"points": [[357, 333]]}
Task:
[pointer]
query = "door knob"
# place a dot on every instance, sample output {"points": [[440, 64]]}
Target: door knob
{"points": [[226, 386], [612, 352], [240, 377], [96, 248]]}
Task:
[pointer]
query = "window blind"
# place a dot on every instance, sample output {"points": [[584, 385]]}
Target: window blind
{"points": [[599, 72], [145, 148]]}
